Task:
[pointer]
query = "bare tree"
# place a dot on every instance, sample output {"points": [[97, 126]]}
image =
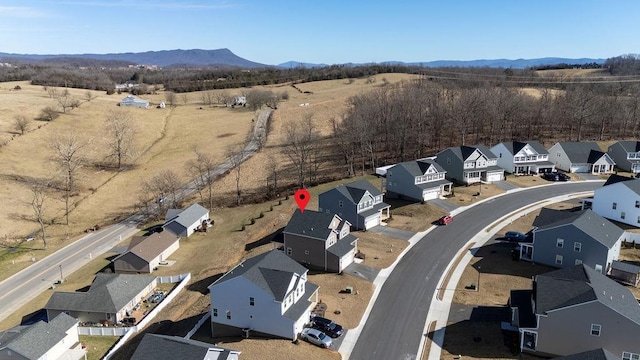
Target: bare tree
{"points": [[236, 155], [202, 170], [88, 96], [52, 92], [273, 167], [69, 155], [164, 189], [48, 114], [302, 141], [185, 98], [207, 98], [21, 123], [38, 206], [170, 97], [66, 102], [121, 137]]}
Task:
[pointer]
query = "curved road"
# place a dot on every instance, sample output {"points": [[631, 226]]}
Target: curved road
{"points": [[395, 324]]}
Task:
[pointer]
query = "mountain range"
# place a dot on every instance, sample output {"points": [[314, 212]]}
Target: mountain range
{"points": [[225, 57]]}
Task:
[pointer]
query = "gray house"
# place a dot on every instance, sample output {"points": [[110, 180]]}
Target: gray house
{"points": [[108, 299], [320, 241], [573, 310], [164, 347], [359, 202], [470, 164], [565, 238], [419, 180], [581, 157], [145, 253], [184, 222], [523, 158], [626, 154]]}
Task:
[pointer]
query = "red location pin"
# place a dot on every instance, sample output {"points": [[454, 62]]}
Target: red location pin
{"points": [[302, 199]]}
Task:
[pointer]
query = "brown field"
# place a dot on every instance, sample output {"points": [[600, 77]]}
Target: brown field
{"points": [[466, 195], [570, 73]]}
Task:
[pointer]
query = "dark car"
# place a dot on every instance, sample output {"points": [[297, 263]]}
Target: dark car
{"points": [[551, 176], [515, 236], [327, 326], [563, 177]]}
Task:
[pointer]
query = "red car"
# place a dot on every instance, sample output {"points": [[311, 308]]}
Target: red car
{"points": [[445, 220]]}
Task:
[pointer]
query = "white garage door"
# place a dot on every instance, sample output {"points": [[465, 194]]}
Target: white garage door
{"points": [[372, 221], [347, 260], [430, 194], [491, 177]]}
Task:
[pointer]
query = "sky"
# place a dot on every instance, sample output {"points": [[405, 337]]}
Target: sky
{"points": [[327, 31]]}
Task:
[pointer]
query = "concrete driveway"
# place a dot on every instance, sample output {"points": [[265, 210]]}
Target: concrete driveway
{"points": [[505, 185], [366, 272], [444, 204], [392, 232]]}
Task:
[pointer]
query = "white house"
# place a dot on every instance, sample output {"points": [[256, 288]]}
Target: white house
{"points": [[186, 222], [581, 157], [133, 101], [618, 199], [267, 296], [523, 158]]}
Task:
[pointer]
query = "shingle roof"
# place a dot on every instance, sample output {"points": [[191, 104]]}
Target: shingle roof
{"points": [[271, 271], [188, 216], [354, 191], [343, 246], [463, 152], [109, 293], [597, 354], [579, 152], [630, 146], [149, 247], [625, 267], [590, 223], [420, 167], [581, 284], [515, 146], [163, 347], [614, 179], [310, 223], [595, 155], [37, 339]]}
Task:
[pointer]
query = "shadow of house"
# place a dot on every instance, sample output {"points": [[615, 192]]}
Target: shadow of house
{"points": [[34, 317], [497, 258], [202, 286], [275, 236]]}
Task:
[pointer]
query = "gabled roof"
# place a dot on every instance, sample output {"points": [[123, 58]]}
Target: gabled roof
{"points": [[420, 167], [463, 152], [632, 183], [625, 267], [515, 146], [354, 191], [630, 146], [597, 354], [343, 246], [581, 284], [109, 293], [36, 340], [311, 223], [614, 179], [580, 152], [592, 224], [149, 247], [186, 217], [272, 271], [163, 347], [595, 155]]}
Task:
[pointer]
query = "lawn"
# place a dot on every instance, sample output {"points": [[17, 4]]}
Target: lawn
{"points": [[466, 195], [98, 346]]}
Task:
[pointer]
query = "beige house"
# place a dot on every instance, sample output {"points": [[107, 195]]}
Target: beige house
{"points": [[145, 253]]}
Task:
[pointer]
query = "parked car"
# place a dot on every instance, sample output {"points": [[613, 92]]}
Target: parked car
{"points": [[563, 177], [445, 220], [327, 326], [316, 337], [515, 236], [556, 176]]}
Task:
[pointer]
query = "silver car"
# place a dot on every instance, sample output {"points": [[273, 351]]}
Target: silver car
{"points": [[316, 337]]}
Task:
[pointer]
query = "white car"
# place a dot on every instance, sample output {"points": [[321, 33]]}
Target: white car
{"points": [[316, 337]]}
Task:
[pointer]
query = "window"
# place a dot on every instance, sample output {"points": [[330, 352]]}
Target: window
{"points": [[630, 356], [448, 160], [595, 329], [560, 243], [638, 219], [577, 246], [252, 301], [614, 206], [638, 204], [228, 314], [289, 251], [623, 215], [215, 312], [578, 262], [558, 259]]}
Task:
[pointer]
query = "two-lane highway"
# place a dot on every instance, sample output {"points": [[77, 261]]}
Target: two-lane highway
{"points": [[394, 327]]}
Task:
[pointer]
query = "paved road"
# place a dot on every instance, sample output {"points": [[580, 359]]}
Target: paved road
{"points": [[28, 283], [394, 327]]}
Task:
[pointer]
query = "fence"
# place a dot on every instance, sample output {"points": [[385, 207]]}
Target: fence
{"points": [[103, 331], [200, 322]]}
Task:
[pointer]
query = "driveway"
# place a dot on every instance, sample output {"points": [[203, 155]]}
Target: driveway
{"points": [[505, 185], [444, 204], [366, 272], [392, 232], [587, 176]]}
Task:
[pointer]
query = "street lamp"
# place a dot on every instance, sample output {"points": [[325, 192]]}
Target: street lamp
{"points": [[478, 289], [61, 277]]}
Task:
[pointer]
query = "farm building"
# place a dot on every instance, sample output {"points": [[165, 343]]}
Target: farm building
{"points": [[133, 101]]}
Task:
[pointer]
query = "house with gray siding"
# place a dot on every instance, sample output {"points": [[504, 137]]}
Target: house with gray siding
{"points": [[108, 300], [581, 157], [266, 296], [164, 347], [53, 340], [523, 157], [184, 222], [567, 238], [145, 253], [359, 202], [470, 164], [573, 310], [320, 241], [626, 154], [419, 180]]}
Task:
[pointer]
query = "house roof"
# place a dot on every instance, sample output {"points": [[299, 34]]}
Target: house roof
{"points": [[630, 146], [515, 146], [522, 300], [343, 246], [271, 271], [301, 307], [592, 224], [311, 223], [630, 182], [420, 167], [150, 247], [433, 184], [463, 152], [36, 340], [109, 293], [188, 216], [164, 347], [354, 191], [376, 209], [595, 155], [625, 267], [597, 354], [581, 284], [580, 152]]}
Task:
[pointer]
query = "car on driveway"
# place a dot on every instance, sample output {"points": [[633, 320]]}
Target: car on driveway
{"points": [[327, 326], [515, 236], [556, 176], [316, 337], [445, 220]]}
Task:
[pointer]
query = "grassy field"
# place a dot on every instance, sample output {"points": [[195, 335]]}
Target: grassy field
{"points": [[98, 346]]}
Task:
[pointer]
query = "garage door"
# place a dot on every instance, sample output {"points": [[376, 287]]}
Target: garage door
{"points": [[491, 177], [430, 194], [371, 222], [347, 259]]}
